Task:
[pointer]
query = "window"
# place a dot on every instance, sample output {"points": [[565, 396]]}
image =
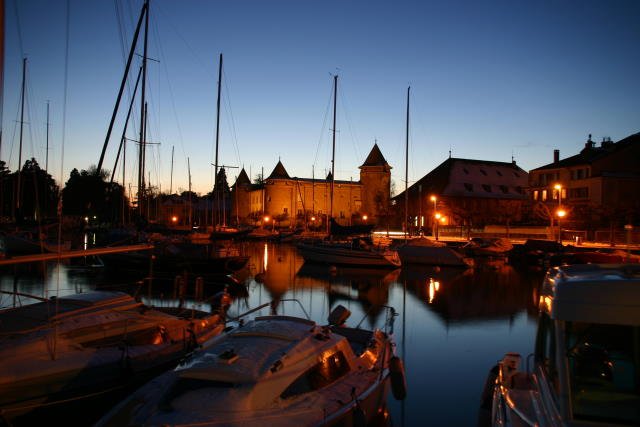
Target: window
{"points": [[468, 187], [545, 352], [320, 375], [285, 210], [482, 171], [499, 173], [544, 195], [517, 175], [579, 193], [603, 365], [465, 171], [504, 189], [486, 188], [535, 194]]}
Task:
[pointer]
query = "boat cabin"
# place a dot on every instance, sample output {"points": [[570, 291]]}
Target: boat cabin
{"points": [[587, 353]]}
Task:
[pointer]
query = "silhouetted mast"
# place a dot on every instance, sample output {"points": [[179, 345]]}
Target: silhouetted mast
{"points": [[143, 115], [333, 151], [46, 162], [406, 173], [18, 193], [143, 12], [214, 218]]}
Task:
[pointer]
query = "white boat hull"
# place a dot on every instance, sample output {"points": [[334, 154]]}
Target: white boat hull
{"points": [[338, 255]]}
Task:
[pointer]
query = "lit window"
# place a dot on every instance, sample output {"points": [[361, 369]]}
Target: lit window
{"points": [[535, 194], [544, 195]]}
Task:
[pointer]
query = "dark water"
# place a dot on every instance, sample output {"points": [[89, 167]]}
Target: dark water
{"points": [[453, 324]]}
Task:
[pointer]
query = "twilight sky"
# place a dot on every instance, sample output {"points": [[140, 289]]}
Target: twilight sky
{"points": [[489, 80]]}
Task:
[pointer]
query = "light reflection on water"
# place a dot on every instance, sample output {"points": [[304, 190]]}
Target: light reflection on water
{"points": [[453, 324]]}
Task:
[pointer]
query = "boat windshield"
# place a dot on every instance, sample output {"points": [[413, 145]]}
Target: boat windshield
{"points": [[604, 372]]}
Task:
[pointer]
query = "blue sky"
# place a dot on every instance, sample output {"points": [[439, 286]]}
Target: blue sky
{"points": [[489, 80]]}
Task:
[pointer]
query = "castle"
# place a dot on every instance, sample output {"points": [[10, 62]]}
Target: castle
{"points": [[292, 200]]}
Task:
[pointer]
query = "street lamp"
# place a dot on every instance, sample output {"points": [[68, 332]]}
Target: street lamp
{"points": [[420, 209], [561, 214], [434, 199], [558, 188]]}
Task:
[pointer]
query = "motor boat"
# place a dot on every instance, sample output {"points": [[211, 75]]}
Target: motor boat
{"points": [[278, 370], [587, 355], [66, 348], [423, 251], [357, 252], [488, 247]]}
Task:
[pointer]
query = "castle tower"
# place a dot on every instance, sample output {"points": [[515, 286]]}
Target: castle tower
{"points": [[241, 195], [375, 176], [279, 192]]}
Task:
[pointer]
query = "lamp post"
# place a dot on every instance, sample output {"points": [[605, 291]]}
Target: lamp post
{"points": [[420, 209], [561, 214], [558, 188], [434, 199], [437, 216]]}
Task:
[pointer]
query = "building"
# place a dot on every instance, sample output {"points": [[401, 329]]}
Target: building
{"points": [[465, 192], [597, 186], [294, 201]]}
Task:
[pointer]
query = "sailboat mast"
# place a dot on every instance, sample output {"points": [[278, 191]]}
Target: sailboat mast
{"points": [[333, 150], [406, 172], [215, 166], [190, 206], [171, 179], [46, 162], [24, 73], [143, 112]]}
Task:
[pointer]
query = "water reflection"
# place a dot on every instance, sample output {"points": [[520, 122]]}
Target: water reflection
{"points": [[454, 323], [460, 296]]}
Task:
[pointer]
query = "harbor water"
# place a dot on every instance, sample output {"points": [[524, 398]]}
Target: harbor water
{"points": [[452, 324]]}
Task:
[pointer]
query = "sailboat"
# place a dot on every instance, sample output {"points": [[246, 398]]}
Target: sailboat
{"points": [[359, 251], [422, 251], [221, 231]]}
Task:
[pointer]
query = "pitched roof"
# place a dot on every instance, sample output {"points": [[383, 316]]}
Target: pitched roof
{"points": [[375, 158], [472, 178], [590, 153], [279, 172]]}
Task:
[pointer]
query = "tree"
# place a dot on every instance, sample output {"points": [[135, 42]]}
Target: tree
{"points": [[89, 194], [39, 191]]}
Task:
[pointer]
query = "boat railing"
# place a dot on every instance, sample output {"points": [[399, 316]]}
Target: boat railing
{"points": [[391, 314], [269, 304]]}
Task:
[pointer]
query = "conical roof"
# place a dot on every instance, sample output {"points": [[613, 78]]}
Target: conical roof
{"points": [[375, 158], [243, 178], [279, 172]]}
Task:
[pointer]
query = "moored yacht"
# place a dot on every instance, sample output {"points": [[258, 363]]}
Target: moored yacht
{"points": [[278, 370], [72, 347], [586, 364]]}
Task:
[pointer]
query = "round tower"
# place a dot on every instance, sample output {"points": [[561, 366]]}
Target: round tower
{"points": [[375, 177]]}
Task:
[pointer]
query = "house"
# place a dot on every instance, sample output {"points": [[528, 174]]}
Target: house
{"points": [[465, 192], [597, 186]]}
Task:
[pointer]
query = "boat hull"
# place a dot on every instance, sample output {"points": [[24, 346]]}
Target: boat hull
{"points": [[339, 255], [432, 255]]}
